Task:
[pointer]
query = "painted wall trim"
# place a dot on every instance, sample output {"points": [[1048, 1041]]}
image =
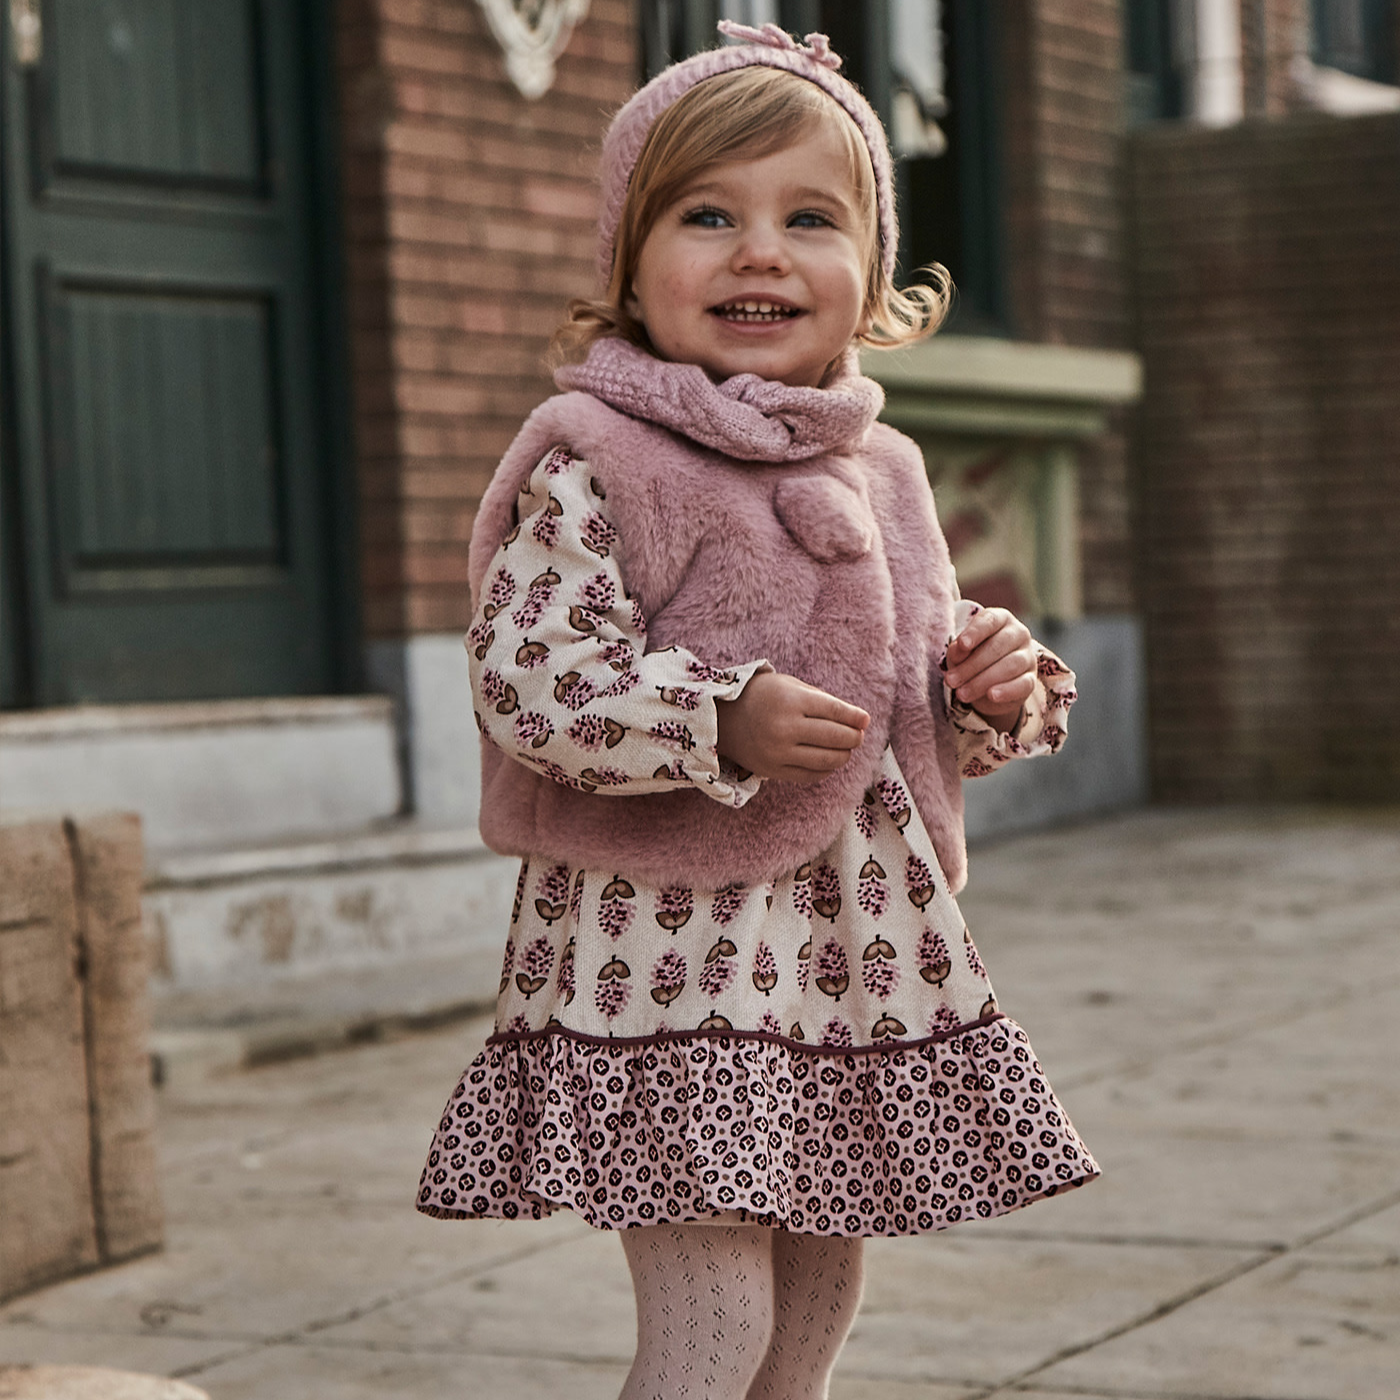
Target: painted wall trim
{"points": [[989, 367]]}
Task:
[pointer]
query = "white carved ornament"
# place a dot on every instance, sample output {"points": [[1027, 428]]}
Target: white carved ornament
{"points": [[532, 34]]}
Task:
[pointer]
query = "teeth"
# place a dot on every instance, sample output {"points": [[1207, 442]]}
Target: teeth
{"points": [[755, 310]]}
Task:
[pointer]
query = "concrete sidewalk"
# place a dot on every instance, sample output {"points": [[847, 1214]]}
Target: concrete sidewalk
{"points": [[1215, 997]]}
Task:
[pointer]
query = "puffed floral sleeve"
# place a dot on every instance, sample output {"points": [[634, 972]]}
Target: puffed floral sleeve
{"points": [[561, 677], [982, 748]]}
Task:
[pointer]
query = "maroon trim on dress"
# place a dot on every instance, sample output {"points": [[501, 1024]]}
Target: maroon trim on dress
{"points": [[671, 1037]]}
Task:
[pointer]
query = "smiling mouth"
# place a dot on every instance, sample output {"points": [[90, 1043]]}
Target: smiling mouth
{"points": [[756, 310]]}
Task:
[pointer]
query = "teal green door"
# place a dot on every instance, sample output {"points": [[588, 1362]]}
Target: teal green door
{"points": [[165, 446]]}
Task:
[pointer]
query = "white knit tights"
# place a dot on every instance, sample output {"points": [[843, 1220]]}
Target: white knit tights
{"points": [[738, 1312], [816, 1295]]}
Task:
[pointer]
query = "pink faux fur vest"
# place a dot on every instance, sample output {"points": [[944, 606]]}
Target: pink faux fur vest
{"points": [[756, 520]]}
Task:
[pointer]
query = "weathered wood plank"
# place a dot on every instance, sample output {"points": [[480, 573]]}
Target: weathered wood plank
{"points": [[107, 850]]}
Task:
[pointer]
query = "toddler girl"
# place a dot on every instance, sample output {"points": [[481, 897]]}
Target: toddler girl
{"points": [[728, 694]]}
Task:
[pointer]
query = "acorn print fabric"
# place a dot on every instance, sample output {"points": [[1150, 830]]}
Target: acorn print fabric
{"points": [[823, 1053], [556, 650]]}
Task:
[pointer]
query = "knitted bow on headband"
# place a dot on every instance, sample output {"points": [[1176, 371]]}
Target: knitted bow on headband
{"points": [[818, 46]]}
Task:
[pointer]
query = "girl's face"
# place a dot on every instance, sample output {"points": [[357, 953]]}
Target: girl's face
{"points": [[759, 266]]}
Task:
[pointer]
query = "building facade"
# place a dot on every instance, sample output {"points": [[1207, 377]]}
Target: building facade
{"points": [[1264, 207], [278, 284]]}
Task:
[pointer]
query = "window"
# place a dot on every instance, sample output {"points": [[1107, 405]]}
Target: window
{"points": [[929, 67], [950, 190], [1159, 42], [1356, 37]]}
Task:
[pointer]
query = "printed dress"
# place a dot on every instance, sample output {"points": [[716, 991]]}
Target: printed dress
{"points": [[823, 1052]]}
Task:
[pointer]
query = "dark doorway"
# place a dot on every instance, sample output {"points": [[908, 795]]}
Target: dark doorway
{"points": [[166, 449]]}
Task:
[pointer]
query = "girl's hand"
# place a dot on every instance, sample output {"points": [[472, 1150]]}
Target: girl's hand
{"points": [[991, 666], [781, 727]]}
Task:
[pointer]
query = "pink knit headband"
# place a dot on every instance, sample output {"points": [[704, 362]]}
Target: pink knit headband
{"points": [[770, 47]]}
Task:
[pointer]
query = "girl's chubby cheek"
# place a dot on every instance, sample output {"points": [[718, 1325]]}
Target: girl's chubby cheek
{"points": [[679, 287]]}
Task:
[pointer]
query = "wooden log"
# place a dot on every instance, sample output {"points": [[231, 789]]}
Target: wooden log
{"points": [[78, 1172], [48, 1226], [89, 1383]]}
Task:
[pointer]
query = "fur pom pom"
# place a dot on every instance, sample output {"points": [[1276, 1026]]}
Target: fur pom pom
{"points": [[829, 519]]}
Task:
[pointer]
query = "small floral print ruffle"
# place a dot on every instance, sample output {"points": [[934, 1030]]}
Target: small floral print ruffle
{"points": [[879, 1141]]}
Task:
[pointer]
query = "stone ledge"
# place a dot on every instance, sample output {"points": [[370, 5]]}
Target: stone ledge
{"points": [[224, 773], [80, 721], [252, 935], [982, 387], [395, 843], [1011, 369], [204, 1033]]}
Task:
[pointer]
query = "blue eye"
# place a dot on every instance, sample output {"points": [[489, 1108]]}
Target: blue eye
{"points": [[811, 218], [707, 216]]}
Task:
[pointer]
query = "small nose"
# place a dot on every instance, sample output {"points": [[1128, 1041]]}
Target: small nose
{"points": [[761, 248]]}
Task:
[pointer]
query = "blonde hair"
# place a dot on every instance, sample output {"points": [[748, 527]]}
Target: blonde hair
{"points": [[745, 114]]}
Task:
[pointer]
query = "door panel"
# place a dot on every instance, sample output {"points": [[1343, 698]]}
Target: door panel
{"points": [[164, 447], [169, 445], [157, 88]]}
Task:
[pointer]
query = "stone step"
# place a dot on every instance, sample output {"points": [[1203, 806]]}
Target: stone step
{"points": [[216, 1031], [264, 952], [210, 773]]}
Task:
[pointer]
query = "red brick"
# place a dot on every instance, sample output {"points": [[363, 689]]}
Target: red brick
{"points": [[436, 564], [1269, 490]]}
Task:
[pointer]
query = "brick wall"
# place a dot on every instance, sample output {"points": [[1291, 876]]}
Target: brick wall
{"points": [[1269, 296], [469, 214], [1063, 116], [1068, 170]]}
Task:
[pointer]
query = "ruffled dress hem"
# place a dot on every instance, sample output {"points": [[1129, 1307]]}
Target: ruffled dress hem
{"points": [[873, 1140]]}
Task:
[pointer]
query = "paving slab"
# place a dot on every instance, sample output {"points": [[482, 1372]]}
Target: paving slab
{"points": [[1177, 1185], [348, 1373], [590, 1314], [354, 1126], [1329, 1071], [845, 1387], [1320, 1323], [1105, 971], [1227, 857], [257, 1273], [22, 1344], [1195, 984], [969, 1309], [289, 1198], [1022, 1393], [302, 1372], [340, 1149], [1377, 1234]]}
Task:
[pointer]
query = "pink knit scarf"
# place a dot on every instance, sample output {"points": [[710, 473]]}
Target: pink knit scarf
{"points": [[747, 418]]}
